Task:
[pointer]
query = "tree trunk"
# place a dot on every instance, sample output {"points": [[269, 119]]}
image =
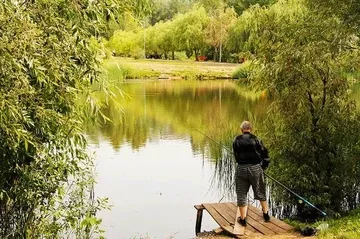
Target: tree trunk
{"points": [[196, 54], [215, 54]]}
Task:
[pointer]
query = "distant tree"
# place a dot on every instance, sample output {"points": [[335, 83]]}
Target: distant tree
{"points": [[164, 10], [212, 5], [217, 30], [241, 5], [126, 43], [239, 38], [190, 31], [152, 41], [166, 39]]}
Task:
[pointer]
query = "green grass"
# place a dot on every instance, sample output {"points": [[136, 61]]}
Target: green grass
{"points": [[119, 71], [128, 68], [242, 72], [346, 227]]}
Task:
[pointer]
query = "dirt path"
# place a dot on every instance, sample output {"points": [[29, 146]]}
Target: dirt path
{"points": [[169, 66], [178, 68]]}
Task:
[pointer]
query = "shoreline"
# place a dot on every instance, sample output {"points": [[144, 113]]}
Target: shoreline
{"points": [[130, 68]]}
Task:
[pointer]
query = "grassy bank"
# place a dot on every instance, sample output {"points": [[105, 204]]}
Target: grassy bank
{"points": [[345, 227], [126, 68]]}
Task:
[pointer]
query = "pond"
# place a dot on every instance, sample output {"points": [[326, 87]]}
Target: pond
{"points": [[153, 161]]}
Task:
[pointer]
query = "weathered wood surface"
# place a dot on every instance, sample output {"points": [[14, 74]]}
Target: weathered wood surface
{"points": [[225, 215], [239, 230]]}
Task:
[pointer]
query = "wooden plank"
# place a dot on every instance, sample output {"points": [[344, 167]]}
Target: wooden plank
{"points": [[229, 229], [220, 220], [233, 208], [273, 220], [258, 226], [217, 217], [238, 228], [225, 212], [270, 225]]}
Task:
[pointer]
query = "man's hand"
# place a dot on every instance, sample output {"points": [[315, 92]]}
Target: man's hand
{"points": [[265, 164]]}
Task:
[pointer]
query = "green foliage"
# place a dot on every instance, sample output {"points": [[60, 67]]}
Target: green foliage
{"points": [[46, 62], [192, 26], [164, 10], [348, 11], [190, 31], [241, 5], [166, 38], [217, 30], [242, 72], [302, 57], [125, 44]]}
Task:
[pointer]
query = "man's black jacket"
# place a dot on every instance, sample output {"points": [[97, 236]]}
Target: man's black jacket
{"points": [[248, 149]]}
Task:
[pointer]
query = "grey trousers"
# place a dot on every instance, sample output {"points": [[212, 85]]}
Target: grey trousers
{"points": [[246, 175]]}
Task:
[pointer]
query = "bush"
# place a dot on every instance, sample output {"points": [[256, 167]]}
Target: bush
{"points": [[242, 72], [46, 63]]}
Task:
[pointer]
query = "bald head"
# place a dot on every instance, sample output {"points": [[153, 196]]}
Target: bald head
{"points": [[245, 126]]}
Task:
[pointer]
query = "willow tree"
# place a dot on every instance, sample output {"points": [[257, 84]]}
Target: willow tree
{"points": [[217, 30], [190, 31], [45, 64], [304, 58]]}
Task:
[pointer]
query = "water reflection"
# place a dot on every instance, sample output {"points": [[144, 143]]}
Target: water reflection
{"points": [[176, 108], [154, 165]]}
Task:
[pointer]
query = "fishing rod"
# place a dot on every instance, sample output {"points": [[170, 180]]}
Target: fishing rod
{"points": [[267, 175]]}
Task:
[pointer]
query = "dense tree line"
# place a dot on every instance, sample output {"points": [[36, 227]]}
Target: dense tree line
{"points": [[195, 28]]}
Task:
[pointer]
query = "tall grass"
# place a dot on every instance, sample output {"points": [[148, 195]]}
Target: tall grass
{"points": [[120, 71], [242, 72], [224, 172]]}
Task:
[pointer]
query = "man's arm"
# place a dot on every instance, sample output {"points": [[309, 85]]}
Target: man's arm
{"points": [[264, 155], [234, 148]]}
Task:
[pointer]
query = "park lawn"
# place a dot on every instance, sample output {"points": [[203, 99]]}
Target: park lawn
{"points": [[150, 68]]}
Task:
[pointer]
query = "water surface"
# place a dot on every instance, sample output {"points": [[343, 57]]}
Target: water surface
{"points": [[154, 165]]}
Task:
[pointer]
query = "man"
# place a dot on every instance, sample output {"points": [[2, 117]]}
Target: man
{"points": [[252, 158]]}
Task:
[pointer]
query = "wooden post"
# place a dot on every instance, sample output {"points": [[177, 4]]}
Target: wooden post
{"points": [[199, 214]]}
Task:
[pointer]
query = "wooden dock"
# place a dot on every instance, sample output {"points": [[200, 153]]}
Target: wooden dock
{"points": [[224, 214]]}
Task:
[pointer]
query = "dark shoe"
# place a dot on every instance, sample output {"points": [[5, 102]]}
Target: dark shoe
{"points": [[266, 217], [308, 231], [242, 221]]}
